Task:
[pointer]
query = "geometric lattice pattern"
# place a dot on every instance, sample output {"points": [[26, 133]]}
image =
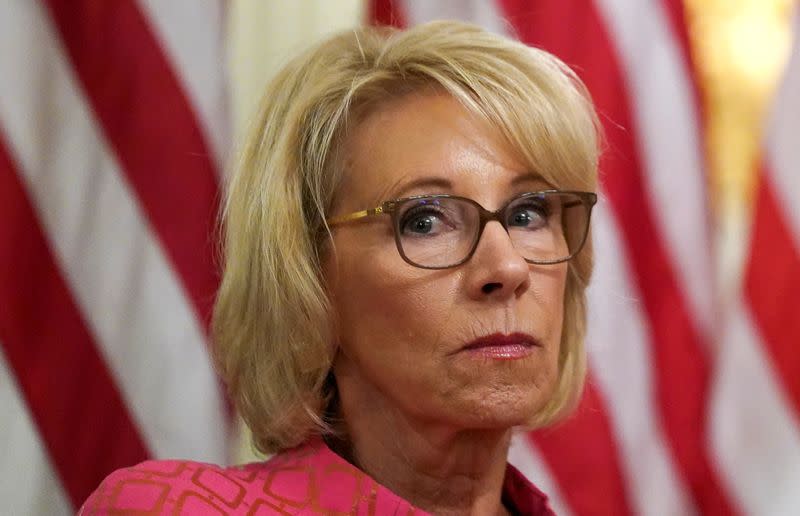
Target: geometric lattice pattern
{"points": [[310, 479]]}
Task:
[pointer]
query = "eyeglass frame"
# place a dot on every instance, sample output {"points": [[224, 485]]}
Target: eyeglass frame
{"points": [[587, 199]]}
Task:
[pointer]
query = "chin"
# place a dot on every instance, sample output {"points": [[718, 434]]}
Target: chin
{"points": [[500, 414]]}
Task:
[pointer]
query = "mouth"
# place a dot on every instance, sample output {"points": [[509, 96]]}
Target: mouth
{"points": [[502, 347]]}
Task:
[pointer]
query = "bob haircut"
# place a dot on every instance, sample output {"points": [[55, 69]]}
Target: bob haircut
{"points": [[274, 337]]}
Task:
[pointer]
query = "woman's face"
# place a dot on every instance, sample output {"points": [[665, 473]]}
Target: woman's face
{"points": [[406, 335]]}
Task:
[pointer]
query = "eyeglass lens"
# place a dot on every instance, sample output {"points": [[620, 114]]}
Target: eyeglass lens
{"points": [[441, 231]]}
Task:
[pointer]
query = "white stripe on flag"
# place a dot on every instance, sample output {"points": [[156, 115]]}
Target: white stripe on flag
{"points": [[191, 32], [752, 433], [783, 144], [117, 272], [670, 142], [619, 354], [480, 12], [28, 484]]}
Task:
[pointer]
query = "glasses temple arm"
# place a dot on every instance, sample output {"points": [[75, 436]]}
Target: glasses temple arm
{"points": [[354, 216]]}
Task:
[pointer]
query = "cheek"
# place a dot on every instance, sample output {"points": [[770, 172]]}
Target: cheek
{"points": [[384, 306], [546, 306], [395, 321], [546, 300]]}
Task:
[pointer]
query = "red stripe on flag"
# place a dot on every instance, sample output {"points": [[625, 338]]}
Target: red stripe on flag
{"points": [[152, 128], [772, 289], [74, 401], [582, 454], [676, 14], [386, 12], [681, 364]]}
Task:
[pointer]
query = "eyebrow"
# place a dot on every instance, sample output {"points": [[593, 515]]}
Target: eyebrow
{"points": [[444, 184], [529, 177], [422, 182]]}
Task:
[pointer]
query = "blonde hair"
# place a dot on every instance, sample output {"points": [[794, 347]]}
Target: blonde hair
{"points": [[272, 329]]}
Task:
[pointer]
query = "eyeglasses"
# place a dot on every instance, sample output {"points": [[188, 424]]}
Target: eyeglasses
{"points": [[443, 231]]}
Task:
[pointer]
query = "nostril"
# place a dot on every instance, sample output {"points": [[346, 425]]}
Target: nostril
{"points": [[491, 287]]}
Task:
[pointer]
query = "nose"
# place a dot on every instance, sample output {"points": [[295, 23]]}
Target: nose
{"points": [[496, 269]]}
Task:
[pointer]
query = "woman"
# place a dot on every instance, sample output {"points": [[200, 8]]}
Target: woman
{"points": [[406, 256]]}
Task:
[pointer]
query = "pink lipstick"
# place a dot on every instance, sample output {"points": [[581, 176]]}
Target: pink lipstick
{"points": [[502, 347]]}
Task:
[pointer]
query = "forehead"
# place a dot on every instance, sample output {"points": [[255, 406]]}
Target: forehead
{"points": [[429, 140]]}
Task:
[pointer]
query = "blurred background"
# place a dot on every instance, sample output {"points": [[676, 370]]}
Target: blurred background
{"points": [[118, 120]]}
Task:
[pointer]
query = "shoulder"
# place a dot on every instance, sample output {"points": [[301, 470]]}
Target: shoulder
{"points": [[310, 479], [171, 487]]}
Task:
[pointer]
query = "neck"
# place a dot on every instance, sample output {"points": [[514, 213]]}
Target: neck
{"points": [[436, 467]]}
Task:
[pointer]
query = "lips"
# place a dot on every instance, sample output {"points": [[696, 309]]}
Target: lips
{"points": [[500, 346]]}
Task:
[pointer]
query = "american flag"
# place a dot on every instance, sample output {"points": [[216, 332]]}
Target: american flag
{"points": [[112, 131], [754, 415]]}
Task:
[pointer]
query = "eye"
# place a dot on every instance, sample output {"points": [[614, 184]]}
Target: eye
{"points": [[420, 224], [528, 214], [425, 221]]}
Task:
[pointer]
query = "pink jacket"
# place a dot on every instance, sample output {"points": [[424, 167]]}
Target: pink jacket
{"points": [[310, 479]]}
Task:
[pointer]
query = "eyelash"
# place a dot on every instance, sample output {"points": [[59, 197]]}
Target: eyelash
{"points": [[418, 210], [542, 208]]}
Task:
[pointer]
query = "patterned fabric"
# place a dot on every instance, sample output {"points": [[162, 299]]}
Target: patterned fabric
{"points": [[310, 479]]}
